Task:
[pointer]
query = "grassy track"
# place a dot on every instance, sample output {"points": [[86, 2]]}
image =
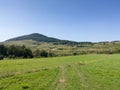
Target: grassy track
{"points": [[87, 72]]}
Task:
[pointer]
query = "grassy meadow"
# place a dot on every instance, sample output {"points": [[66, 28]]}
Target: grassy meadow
{"points": [[85, 72]]}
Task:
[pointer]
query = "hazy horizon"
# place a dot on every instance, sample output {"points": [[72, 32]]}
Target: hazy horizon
{"points": [[76, 20]]}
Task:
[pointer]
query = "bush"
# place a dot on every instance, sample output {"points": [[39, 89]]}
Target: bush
{"points": [[74, 53], [51, 54], [1, 57], [37, 53], [44, 53]]}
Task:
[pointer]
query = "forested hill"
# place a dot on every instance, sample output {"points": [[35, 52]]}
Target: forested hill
{"points": [[36, 37], [42, 38]]}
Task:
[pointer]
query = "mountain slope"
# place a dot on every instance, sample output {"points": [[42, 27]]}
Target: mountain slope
{"points": [[41, 38], [35, 37]]}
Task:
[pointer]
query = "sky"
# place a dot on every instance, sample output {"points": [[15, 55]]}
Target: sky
{"points": [[76, 20]]}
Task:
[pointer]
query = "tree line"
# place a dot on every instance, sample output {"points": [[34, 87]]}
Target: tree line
{"points": [[13, 52]]}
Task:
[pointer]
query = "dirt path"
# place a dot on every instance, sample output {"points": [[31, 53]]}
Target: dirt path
{"points": [[83, 79], [62, 79]]}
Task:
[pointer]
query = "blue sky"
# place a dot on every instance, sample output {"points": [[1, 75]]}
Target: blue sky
{"points": [[78, 20]]}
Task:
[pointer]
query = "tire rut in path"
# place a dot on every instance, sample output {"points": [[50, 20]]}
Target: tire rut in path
{"points": [[81, 76], [62, 79]]}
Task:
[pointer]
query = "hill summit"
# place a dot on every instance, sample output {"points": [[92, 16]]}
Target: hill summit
{"points": [[36, 37]]}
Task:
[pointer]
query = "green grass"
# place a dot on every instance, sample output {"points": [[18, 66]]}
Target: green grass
{"points": [[86, 72]]}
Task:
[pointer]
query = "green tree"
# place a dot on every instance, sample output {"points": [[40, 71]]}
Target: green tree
{"points": [[44, 53]]}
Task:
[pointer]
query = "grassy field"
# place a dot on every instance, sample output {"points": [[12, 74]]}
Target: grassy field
{"points": [[86, 72]]}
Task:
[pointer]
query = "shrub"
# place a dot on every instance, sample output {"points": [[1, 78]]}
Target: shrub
{"points": [[51, 54], [74, 53], [25, 86], [1, 57], [44, 53]]}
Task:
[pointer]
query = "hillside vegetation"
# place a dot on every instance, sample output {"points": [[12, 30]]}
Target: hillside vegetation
{"points": [[39, 43], [70, 49]]}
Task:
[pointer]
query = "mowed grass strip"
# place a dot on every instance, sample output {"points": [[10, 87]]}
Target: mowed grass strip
{"points": [[32, 81], [76, 79]]}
